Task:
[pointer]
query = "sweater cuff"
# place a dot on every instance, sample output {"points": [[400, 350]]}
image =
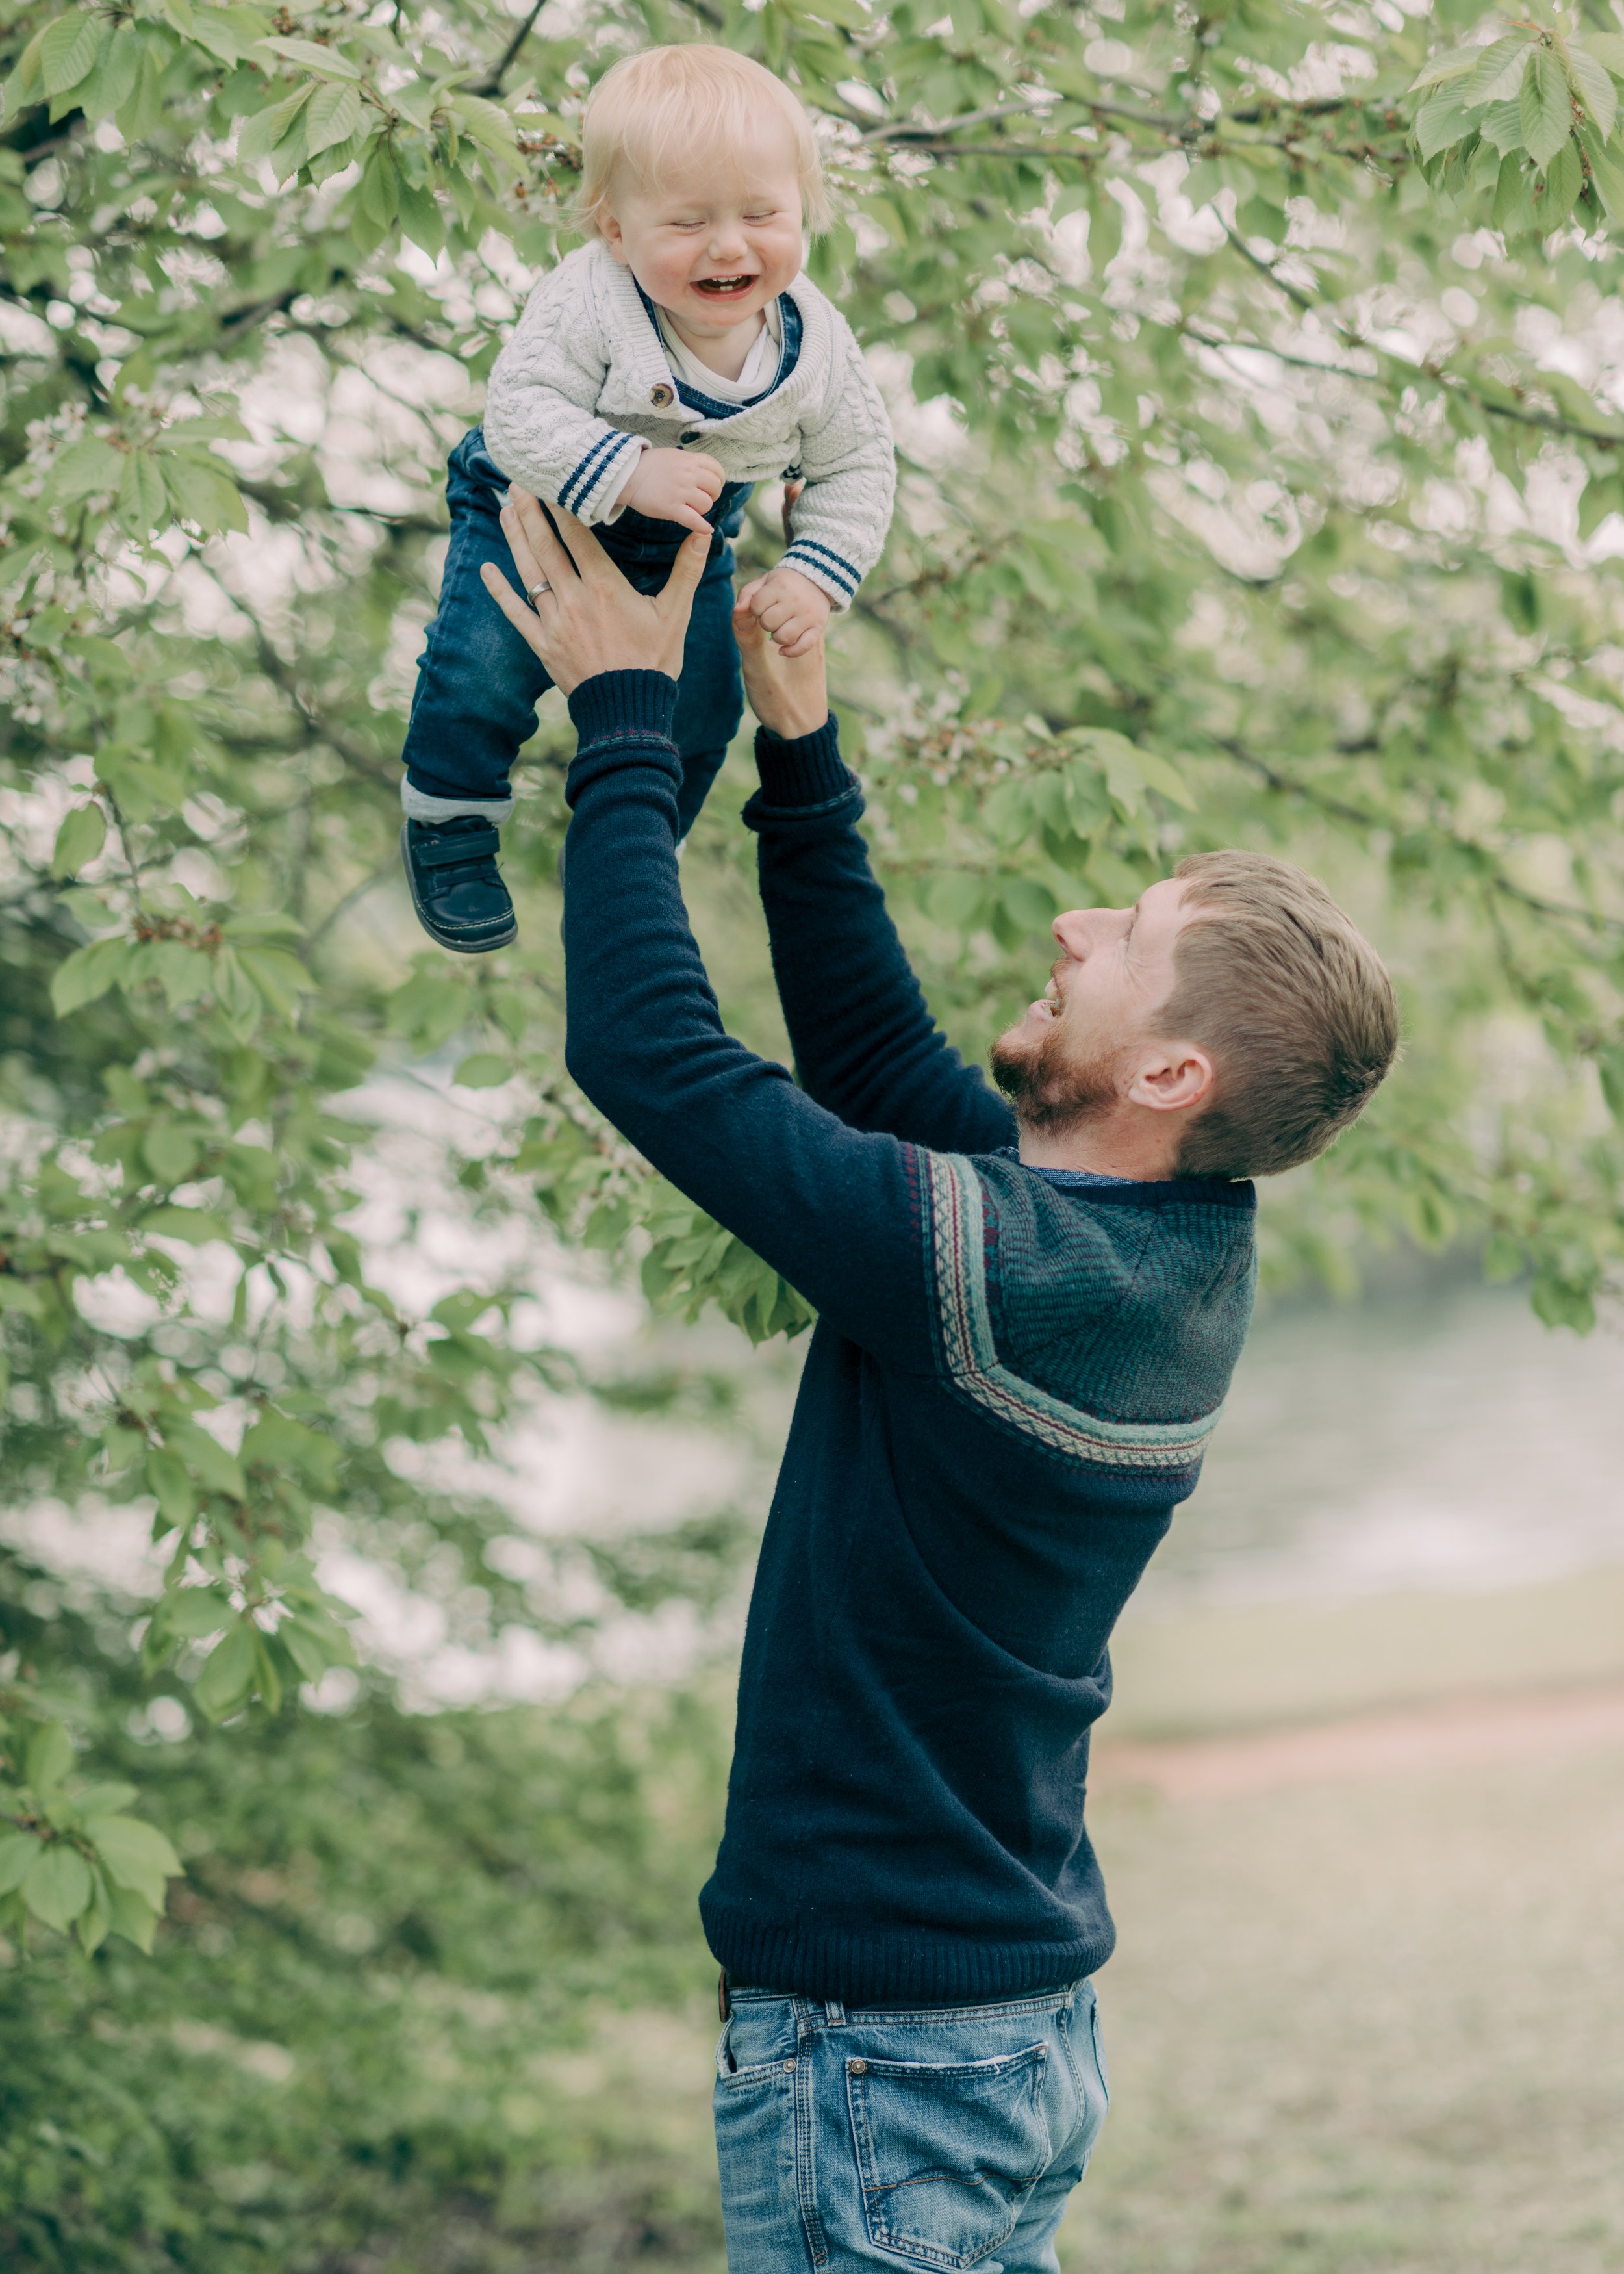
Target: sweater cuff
{"points": [[806, 772], [624, 706]]}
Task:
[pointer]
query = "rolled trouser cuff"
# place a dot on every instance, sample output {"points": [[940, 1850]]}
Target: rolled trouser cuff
{"points": [[418, 805]]}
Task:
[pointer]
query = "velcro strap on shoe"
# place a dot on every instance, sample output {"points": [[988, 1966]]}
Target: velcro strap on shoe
{"points": [[471, 845]]}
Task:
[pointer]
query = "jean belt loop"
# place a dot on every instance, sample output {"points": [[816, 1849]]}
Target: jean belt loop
{"points": [[834, 2013]]}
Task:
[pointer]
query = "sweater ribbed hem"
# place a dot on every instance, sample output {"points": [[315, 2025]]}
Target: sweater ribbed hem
{"points": [[623, 703], [806, 772], [892, 1969]]}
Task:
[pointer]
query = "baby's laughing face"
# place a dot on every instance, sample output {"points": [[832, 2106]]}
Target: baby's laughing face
{"points": [[717, 239]]}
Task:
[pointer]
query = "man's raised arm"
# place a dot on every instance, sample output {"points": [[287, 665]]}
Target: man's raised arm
{"points": [[836, 1210], [865, 1044]]}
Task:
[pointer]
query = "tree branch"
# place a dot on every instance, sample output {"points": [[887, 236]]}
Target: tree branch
{"points": [[493, 85]]}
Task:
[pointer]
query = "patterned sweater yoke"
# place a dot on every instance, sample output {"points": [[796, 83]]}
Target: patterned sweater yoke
{"points": [[1074, 1325], [585, 382]]}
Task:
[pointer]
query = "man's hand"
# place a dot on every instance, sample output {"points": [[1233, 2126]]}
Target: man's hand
{"points": [[790, 695], [586, 618], [676, 485], [790, 606]]}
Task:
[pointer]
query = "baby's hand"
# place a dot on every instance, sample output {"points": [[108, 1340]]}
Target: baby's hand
{"points": [[790, 606], [674, 485]]}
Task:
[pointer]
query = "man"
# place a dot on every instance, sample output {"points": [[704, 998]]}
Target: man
{"points": [[1029, 1314]]}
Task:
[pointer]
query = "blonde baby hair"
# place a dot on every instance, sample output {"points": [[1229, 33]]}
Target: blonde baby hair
{"points": [[653, 108]]}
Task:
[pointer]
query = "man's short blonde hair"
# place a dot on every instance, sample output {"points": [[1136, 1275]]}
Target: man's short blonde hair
{"points": [[1294, 1005], [652, 111]]}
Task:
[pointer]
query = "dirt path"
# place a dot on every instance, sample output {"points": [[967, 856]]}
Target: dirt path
{"points": [[1468, 1732]]}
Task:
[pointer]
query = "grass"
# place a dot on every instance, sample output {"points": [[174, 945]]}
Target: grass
{"points": [[1369, 2026]]}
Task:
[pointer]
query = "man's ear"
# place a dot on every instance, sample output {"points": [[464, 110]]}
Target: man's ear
{"points": [[1171, 1078]]}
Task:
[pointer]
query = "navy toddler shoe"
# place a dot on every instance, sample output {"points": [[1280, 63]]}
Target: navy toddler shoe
{"points": [[460, 898]]}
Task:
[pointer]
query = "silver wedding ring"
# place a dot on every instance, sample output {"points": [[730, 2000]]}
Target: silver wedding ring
{"points": [[540, 586]]}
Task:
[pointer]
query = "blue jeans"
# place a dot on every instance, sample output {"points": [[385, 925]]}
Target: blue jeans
{"points": [[478, 683], [886, 2136]]}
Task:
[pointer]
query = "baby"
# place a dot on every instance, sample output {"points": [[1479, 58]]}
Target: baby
{"points": [[678, 358]]}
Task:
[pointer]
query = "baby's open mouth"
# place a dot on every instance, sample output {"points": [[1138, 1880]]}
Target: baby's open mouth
{"points": [[724, 288]]}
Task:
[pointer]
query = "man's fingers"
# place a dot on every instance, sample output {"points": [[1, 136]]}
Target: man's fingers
{"points": [[524, 619]]}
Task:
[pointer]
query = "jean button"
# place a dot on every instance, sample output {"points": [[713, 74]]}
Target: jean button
{"points": [[857, 2069]]}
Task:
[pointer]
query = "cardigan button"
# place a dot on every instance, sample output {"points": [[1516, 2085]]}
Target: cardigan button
{"points": [[662, 396], [693, 436]]}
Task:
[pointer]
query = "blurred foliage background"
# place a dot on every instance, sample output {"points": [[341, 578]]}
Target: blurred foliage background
{"points": [[1256, 372]]}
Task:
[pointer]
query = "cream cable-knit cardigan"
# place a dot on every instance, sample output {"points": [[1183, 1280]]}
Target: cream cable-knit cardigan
{"points": [[585, 374]]}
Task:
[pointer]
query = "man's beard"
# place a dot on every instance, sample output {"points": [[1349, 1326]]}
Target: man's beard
{"points": [[1050, 1091]]}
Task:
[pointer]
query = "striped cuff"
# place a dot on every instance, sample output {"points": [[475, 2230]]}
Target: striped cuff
{"points": [[825, 568], [576, 491]]}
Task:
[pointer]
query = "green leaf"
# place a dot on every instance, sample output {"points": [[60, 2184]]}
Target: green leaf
{"points": [[170, 1487], [422, 218], [207, 1459], [133, 1919], [1594, 89], [87, 974], [223, 1685], [19, 1852], [258, 136], [1497, 74], [1455, 64], [1442, 121], [143, 500], [88, 466], [1502, 126], [57, 1887], [50, 1757], [196, 1226], [323, 61], [334, 114], [379, 194], [205, 494], [69, 50], [484, 1070], [134, 1855], [1547, 108], [1563, 179], [80, 837], [196, 1611], [1608, 49]]}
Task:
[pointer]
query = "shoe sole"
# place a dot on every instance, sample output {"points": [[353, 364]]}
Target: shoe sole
{"points": [[441, 939]]}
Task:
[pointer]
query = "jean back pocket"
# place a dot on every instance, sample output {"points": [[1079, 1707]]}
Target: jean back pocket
{"points": [[947, 2156]]}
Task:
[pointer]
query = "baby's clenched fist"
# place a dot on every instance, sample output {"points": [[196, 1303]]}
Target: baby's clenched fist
{"points": [[790, 606], [678, 486]]}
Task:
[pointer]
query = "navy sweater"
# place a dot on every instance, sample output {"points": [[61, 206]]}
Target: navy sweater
{"points": [[1010, 1385]]}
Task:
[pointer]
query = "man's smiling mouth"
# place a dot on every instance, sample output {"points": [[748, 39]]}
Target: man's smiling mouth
{"points": [[724, 288]]}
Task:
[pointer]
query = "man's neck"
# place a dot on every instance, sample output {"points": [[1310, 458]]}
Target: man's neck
{"points": [[1101, 1149]]}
